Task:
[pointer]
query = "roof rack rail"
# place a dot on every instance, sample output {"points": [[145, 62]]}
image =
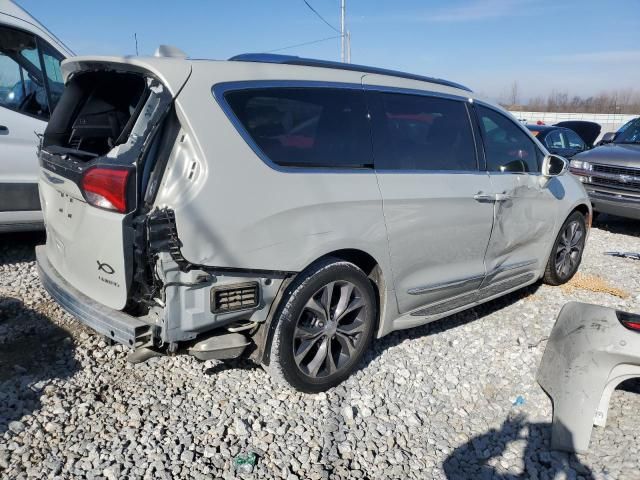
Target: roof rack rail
{"points": [[312, 62]]}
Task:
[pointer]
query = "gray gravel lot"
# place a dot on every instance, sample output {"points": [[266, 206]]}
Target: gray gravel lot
{"points": [[434, 402]]}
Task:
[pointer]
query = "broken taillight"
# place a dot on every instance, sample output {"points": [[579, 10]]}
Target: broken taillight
{"points": [[629, 320], [106, 188]]}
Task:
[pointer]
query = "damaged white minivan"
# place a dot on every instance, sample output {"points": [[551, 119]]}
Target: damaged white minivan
{"points": [[289, 210]]}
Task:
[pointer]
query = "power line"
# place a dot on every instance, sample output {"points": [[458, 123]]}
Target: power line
{"points": [[321, 17], [303, 44]]}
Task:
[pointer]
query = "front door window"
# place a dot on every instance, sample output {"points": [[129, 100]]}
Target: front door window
{"points": [[507, 147], [22, 84]]}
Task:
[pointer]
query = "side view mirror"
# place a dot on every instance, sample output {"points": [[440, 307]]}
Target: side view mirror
{"points": [[608, 137], [554, 165]]}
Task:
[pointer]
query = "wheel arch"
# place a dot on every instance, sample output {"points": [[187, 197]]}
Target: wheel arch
{"points": [[363, 260], [585, 210]]}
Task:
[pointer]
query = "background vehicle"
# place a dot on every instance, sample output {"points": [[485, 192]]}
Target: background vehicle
{"points": [[610, 136], [290, 208], [30, 87], [559, 140], [611, 173]]}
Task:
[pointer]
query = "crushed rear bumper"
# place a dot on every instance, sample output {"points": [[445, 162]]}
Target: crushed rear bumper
{"points": [[111, 323], [588, 354]]}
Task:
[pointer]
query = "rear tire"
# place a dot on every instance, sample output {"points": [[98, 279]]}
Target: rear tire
{"points": [[325, 323], [567, 251]]}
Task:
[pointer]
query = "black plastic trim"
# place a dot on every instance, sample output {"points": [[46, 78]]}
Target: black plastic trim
{"points": [[19, 197]]}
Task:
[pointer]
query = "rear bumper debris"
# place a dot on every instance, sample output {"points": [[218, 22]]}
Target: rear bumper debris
{"points": [[111, 323], [588, 354]]}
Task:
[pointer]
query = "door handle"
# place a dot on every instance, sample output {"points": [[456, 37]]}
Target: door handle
{"points": [[484, 197], [491, 197], [4, 130]]}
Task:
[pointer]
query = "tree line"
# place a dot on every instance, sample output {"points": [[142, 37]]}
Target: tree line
{"points": [[624, 101]]}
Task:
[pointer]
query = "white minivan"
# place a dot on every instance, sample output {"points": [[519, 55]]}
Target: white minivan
{"points": [[290, 209], [30, 86]]}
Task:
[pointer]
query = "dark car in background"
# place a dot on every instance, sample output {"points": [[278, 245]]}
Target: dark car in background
{"points": [[567, 138], [610, 136], [558, 140], [611, 173]]}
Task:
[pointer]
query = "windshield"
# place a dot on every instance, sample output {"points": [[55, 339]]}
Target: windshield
{"points": [[630, 134]]}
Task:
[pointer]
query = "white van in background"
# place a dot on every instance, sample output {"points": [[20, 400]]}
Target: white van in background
{"points": [[30, 87]]}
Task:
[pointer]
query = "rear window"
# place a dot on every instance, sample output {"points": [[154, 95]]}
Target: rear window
{"points": [[415, 132], [96, 111], [306, 127]]}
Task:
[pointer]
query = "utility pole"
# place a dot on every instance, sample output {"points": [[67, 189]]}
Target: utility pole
{"points": [[348, 46], [342, 31]]}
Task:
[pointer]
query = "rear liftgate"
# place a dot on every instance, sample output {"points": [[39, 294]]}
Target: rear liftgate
{"points": [[97, 156], [111, 142]]}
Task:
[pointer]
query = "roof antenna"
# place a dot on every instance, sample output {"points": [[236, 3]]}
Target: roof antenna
{"points": [[135, 36]]}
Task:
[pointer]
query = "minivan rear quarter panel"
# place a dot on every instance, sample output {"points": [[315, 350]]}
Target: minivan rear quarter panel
{"points": [[248, 214]]}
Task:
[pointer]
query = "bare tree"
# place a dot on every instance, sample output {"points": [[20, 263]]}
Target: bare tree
{"points": [[514, 98]]}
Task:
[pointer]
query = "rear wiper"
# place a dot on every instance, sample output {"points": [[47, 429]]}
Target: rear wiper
{"points": [[57, 149]]}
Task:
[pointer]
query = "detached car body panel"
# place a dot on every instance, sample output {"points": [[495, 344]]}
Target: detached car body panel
{"points": [[590, 351], [193, 196]]}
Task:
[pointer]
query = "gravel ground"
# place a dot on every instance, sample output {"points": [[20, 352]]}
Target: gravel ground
{"points": [[439, 401]]}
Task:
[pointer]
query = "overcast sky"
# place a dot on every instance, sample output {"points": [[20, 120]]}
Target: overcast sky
{"points": [[576, 46]]}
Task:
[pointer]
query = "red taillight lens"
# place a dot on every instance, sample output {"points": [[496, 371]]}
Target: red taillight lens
{"points": [[629, 320], [106, 188]]}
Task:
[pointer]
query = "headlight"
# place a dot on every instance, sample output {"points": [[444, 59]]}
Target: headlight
{"points": [[580, 165]]}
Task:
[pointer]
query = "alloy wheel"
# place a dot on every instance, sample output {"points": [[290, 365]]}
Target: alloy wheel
{"points": [[330, 329], [569, 249]]}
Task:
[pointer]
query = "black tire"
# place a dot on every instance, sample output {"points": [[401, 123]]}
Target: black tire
{"points": [[566, 253], [301, 317]]}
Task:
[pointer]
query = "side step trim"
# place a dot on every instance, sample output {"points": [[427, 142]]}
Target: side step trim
{"points": [[475, 296], [111, 323]]}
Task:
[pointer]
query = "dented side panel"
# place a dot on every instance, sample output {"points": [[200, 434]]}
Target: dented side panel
{"points": [[241, 213], [524, 225]]}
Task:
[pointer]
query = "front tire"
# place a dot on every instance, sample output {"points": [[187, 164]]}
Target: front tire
{"points": [[324, 325], [567, 251]]}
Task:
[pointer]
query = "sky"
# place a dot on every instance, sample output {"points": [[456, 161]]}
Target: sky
{"points": [[581, 47]]}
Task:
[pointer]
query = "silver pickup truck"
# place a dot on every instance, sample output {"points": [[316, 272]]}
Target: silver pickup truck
{"points": [[611, 172]]}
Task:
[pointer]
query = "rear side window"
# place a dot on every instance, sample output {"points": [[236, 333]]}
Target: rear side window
{"points": [[415, 132], [574, 140], [507, 148], [306, 127], [555, 139]]}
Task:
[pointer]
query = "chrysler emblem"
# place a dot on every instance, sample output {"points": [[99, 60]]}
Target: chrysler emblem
{"points": [[105, 267]]}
